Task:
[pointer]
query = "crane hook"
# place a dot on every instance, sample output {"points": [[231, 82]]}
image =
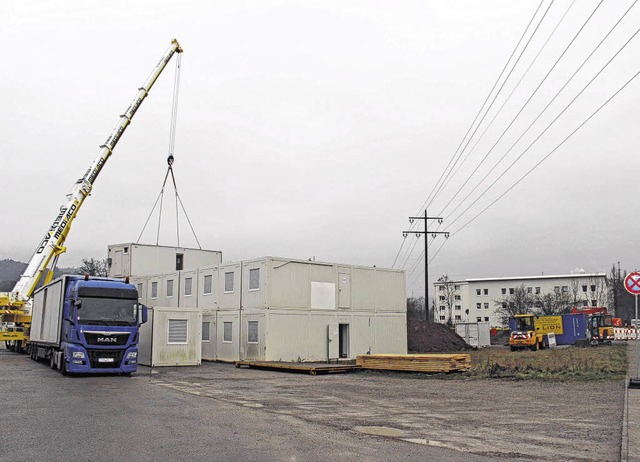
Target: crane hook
{"points": [[170, 160]]}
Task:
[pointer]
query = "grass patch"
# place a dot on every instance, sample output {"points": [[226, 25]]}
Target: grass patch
{"points": [[603, 363]]}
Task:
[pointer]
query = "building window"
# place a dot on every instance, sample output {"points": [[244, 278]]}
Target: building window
{"points": [[169, 288], [456, 287], [511, 290], [140, 290], [486, 318], [593, 288], [188, 282], [565, 289], [478, 306], [458, 307], [178, 331], [585, 302], [442, 318], [206, 334], [227, 335], [584, 288], [504, 291], [442, 308], [458, 297], [504, 305], [594, 302], [477, 291], [537, 290], [252, 332], [228, 282], [441, 288], [442, 298], [207, 284], [154, 289], [179, 262], [254, 279], [556, 289], [529, 290], [486, 306], [458, 317], [478, 319], [486, 291]]}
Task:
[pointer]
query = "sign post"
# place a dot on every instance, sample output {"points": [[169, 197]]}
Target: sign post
{"points": [[632, 284]]}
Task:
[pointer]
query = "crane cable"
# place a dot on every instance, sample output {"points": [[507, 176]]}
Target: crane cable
{"points": [[170, 161]]}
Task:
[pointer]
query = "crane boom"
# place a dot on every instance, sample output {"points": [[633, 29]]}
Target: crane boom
{"points": [[49, 249]]}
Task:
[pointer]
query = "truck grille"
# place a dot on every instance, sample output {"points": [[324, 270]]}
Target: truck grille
{"points": [[105, 359], [106, 339]]}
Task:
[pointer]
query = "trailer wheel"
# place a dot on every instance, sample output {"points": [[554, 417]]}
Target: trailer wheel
{"points": [[513, 348], [52, 360]]}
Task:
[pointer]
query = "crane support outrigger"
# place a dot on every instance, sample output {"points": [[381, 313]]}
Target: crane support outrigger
{"points": [[15, 304]]}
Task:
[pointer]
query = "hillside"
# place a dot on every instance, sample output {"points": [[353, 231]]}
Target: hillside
{"points": [[10, 271]]}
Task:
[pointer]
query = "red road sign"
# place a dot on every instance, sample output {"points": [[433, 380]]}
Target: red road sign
{"points": [[632, 283]]}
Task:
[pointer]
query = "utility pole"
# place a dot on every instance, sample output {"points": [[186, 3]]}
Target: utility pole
{"points": [[426, 252]]}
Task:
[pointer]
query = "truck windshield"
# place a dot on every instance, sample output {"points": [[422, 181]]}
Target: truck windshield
{"points": [[107, 311]]}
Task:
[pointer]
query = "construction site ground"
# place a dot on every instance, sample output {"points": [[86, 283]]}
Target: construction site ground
{"points": [[510, 420]]}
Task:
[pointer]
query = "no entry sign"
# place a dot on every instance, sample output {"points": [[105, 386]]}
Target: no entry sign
{"points": [[632, 283]]}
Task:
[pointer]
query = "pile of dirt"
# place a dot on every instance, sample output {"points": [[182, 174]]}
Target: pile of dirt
{"points": [[431, 337]]}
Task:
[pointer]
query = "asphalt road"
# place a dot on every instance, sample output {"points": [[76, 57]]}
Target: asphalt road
{"points": [[48, 417]]}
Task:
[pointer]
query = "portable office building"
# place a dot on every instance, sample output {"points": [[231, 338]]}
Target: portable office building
{"points": [[171, 337], [132, 259]]}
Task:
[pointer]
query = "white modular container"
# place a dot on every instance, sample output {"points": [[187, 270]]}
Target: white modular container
{"points": [[171, 337], [476, 334], [46, 312], [132, 259]]}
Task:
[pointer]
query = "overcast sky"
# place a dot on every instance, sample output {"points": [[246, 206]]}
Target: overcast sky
{"points": [[316, 128]]}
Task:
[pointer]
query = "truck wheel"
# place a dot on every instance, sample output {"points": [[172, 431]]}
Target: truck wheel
{"points": [[513, 348], [63, 366], [52, 360], [534, 347]]}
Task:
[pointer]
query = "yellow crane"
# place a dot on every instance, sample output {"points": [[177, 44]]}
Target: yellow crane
{"points": [[15, 305]]}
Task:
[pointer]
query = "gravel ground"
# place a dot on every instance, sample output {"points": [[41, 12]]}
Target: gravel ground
{"points": [[510, 420]]}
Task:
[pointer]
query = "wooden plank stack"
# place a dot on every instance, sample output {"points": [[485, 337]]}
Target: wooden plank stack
{"points": [[416, 363]]}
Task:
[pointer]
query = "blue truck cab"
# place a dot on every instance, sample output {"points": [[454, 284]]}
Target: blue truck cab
{"points": [[87, 325]]}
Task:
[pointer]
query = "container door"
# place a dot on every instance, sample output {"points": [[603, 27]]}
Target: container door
{"points": [[116, 264], [344, 289], [333, 341]]}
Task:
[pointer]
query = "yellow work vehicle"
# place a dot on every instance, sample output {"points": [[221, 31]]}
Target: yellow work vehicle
{"points": [[601, 329], [524, 334], [15, 306]]}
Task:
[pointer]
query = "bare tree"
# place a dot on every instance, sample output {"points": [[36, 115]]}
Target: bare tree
{"points": [[446, 296], [93, 267], [416, 308], [521, 301]]}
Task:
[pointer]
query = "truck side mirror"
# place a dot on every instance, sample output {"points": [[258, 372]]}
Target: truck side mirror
{"points": [[143, 313]]}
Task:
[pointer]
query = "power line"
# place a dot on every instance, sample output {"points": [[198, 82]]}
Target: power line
{"points": [[494, 98], [518, 114], [508, 98], [548, 126], [545, 157]]}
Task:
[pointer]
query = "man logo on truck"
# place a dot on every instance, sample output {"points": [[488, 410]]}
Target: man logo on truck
{"points": [[107, 339]]}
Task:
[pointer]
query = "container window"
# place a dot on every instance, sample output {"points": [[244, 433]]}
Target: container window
{"points": [[207, 284], [188, 282], [228, 282], [254, 279], [227, 336], [169, 288], [179, 262], [252, 332], [206, 336], [125, 250], [178, 331], [154, 289]]}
